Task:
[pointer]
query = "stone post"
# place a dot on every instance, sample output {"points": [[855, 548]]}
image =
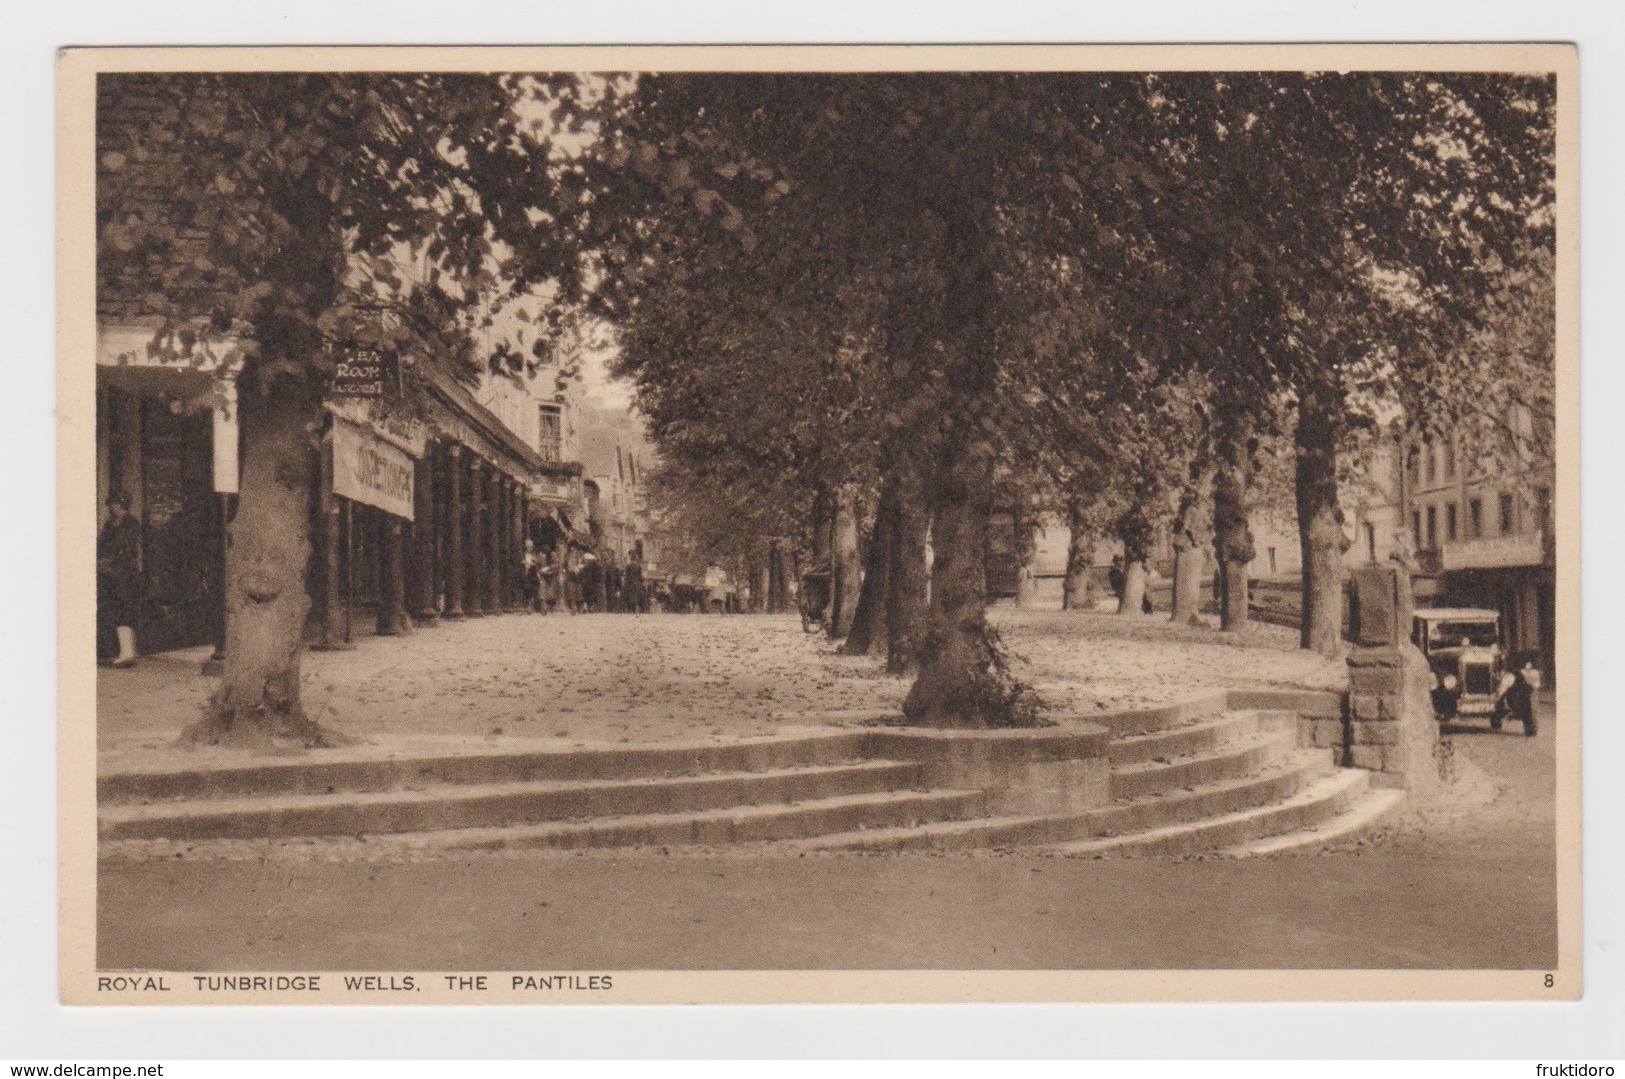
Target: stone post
{"points": [[1391, 729]]}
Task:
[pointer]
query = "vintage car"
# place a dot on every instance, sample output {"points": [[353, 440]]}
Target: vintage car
{"points": [[1471, 674]]}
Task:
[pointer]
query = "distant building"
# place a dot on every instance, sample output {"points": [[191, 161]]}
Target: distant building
{"points": [[1483, 533], [615, 456]]}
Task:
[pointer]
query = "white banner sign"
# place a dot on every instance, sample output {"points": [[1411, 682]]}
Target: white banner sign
{"points": [[225, 440], [370, 470]]}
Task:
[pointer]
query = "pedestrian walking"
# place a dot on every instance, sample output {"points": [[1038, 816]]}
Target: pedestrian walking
{"points": [[1116, 577], [118, 575]]}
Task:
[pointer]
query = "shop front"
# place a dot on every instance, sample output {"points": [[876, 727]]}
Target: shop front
{"points": [[166, 437]]}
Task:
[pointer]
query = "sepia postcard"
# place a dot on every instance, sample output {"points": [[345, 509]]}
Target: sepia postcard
{"points": [[819, 524]]}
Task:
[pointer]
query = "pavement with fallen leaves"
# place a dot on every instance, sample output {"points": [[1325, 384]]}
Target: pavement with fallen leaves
{"points": [[621, 678]]}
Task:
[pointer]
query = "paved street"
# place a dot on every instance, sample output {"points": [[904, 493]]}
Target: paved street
{"points": [[1460, 885]]}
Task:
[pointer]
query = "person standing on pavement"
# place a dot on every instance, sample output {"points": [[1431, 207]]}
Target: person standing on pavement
{"points": [[532, 567], [118, 575], [1116, 577], [716, 584], [592, 582]]}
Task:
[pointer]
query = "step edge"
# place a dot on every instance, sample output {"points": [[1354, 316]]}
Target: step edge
{"points": [[1343, 783], [454, 792]]}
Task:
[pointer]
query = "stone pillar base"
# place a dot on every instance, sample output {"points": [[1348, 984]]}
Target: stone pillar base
{"points": [[1391, 730]]}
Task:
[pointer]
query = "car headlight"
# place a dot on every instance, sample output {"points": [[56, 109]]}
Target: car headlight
{"points": [[1449, 681], [1506, 681]]}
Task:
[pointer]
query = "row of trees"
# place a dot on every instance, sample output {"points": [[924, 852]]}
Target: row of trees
{"points": [[849, 298], [1119, 290]]}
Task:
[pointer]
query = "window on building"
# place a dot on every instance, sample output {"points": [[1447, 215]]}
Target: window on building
{"points": [[550, 440], [1429, 465], [1475, 518], [1433, 526], [1509, 523], [1416, 527], [1371, 541], [1449, 460], [1272, 561], [1543, 506], [1450, 523]]}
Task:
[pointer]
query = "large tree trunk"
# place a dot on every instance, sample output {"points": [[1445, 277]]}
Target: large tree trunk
{"points": [[823, 520], [1134, 529], [1232, 533], [868, 632], [1025, 526], [757, 572], [1320, 519], [267, 565], [1190, 545], [846, 571], [778, 578], [1190, 560], [962, 680], [907, 576], [1080, 558]]}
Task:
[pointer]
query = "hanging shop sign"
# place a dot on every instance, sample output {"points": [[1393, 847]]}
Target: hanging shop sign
{"points": [[225, 440], [401, 431], [553, 489], [369, 470], [365, 372]]}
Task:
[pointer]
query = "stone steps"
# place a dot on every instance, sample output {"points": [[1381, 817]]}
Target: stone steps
{"points": [[1192, 738], [450, 806], [338, 771], [1222, 773], [1323, 800], [1363, 817], [1227, 760], [734, 824], [1274, 783]]}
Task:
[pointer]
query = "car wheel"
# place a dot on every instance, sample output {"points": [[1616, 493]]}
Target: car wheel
{"points": [[1495, 722], [1529, 728]]}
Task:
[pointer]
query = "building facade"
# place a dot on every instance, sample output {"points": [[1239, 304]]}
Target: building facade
{"points": [[1483, 534]]}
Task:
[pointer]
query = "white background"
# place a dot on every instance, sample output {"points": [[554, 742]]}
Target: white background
{"points": [[34, 1027]]}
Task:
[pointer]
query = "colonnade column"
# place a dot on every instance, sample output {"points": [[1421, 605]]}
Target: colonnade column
{"points": [[454, 532], [423, 530], [333, 565], [474, 597], [392, 619], [493, 540], [521, 530], [510, 600]]}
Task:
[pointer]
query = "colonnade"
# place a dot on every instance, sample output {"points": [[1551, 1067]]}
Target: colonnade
{"points": [[462, 555]]}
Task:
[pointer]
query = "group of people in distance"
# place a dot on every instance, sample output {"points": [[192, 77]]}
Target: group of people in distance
{"points": [[580, 582]]}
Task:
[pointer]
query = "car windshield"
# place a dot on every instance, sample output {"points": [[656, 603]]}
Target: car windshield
{"points": [[1457, 634]]}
